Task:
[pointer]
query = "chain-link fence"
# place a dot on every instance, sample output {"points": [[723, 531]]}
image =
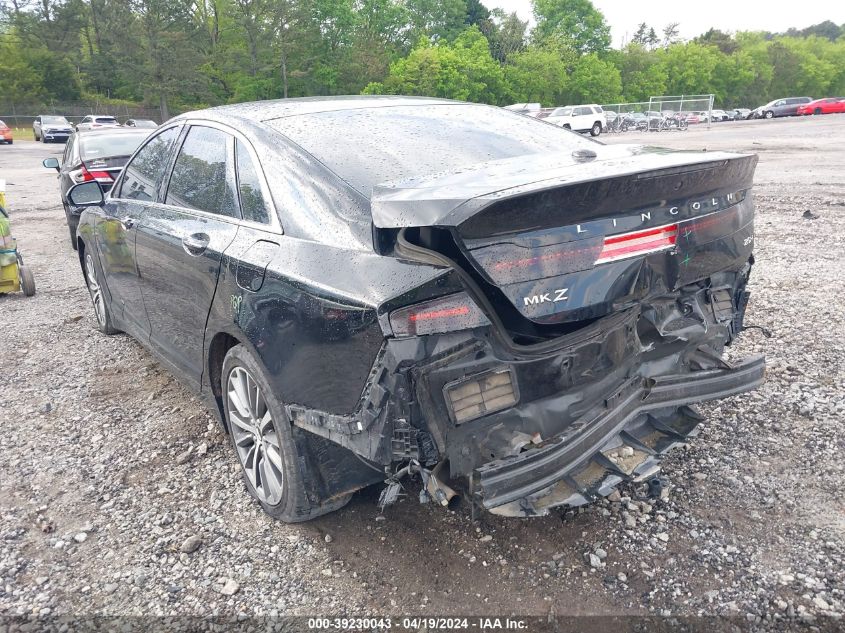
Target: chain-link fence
{"points": [[21, 115], [673, 112], [698, 106]]}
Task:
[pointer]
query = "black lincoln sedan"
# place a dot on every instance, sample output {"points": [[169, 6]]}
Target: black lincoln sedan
{"points": [[95, 156], [367, 288]]}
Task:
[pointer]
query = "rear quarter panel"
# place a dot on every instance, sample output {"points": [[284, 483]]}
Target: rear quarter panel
{"points": [[314, 323]]}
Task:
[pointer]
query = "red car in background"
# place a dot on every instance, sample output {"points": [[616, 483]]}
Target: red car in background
{"points": [[828, 105], [5, 133]]}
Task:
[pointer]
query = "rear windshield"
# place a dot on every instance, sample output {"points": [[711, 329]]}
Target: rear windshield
{"points": [[106, 119], [54, 120], [369, 146], [105, 145]]}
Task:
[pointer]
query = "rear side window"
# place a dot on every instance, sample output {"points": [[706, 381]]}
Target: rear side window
{"points": [[200, 177], [143, 174], [253, 207]]}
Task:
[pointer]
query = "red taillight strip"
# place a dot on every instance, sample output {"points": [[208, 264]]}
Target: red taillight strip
{"points": [[438, 314], [638, 243], [529, 261]]}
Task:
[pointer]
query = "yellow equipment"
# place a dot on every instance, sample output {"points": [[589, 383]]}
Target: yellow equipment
{"points": [[14, 275]]}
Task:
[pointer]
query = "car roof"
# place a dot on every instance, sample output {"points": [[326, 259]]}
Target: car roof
{"points": [[259, 111], [106, 132]]}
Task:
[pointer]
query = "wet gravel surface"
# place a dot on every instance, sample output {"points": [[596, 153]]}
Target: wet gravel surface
{"points": [[119, 494]]}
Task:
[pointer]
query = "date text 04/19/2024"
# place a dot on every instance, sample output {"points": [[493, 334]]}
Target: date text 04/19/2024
{"points": [[417, 623]]}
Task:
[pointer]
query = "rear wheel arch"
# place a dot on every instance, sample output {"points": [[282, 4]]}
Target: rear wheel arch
{"points": [[220, 345]]}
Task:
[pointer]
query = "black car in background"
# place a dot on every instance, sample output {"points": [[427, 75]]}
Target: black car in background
{"points": [[93, 155], [49, 128], [370, 287]]}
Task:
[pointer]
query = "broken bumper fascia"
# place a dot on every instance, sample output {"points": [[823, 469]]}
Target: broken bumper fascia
{"points": [[648, 416]]}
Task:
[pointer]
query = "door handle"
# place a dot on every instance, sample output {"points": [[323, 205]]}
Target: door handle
{"points": [[195, 244], [127, 223]]}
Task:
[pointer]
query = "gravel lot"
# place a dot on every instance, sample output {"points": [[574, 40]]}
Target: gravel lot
{"points": [[120, 495]]}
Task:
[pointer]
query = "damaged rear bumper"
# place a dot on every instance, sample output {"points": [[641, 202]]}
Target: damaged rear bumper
{"points": [[621, 439]]}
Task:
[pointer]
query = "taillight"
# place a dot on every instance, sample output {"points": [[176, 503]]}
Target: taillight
{"points": [[446, 314], [84, 175], [638, 243]]}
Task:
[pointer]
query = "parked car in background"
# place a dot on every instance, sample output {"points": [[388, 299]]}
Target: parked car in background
{"points": [[742, 113], [634, 120], [528, 109], [94, 121], [141, 123], [781, 107], [49, 128], [93, 155], [690, 117], [374, 285], [6, 134], [718, 115], [581, 118], [828, 105]]}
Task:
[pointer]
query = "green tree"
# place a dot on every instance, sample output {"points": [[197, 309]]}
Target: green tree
{"points": [[537, 75], [507, 35], [595, 80], [436, 19], [643, 73], [577, 22], [689, 68], [463, 70]]}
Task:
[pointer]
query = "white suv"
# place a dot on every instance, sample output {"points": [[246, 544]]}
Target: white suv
{"points": [[581, 118], [94, 121]]}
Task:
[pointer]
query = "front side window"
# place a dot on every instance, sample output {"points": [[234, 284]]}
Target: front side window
{"points": [[142, 175], [249, 187], [200, 177]]}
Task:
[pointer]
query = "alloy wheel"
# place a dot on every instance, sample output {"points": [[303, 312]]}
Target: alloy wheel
{"points": [[95, 290], [254, 434]]}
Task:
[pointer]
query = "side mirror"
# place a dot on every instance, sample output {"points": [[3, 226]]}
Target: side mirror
{"points": [[85, 194], [51, 163]]}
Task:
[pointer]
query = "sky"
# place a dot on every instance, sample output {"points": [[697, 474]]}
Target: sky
{"points": [[697, 17]]}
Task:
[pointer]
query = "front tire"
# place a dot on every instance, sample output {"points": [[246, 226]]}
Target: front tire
{"points": [[27, 280], [596, 129], [769, 115], [264, 443], [817, 111], [93, 279]]}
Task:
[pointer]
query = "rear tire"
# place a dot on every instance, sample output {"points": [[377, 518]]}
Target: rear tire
{"points": [[596, 129], [262, 436], [27, 280], [96, 288]]}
